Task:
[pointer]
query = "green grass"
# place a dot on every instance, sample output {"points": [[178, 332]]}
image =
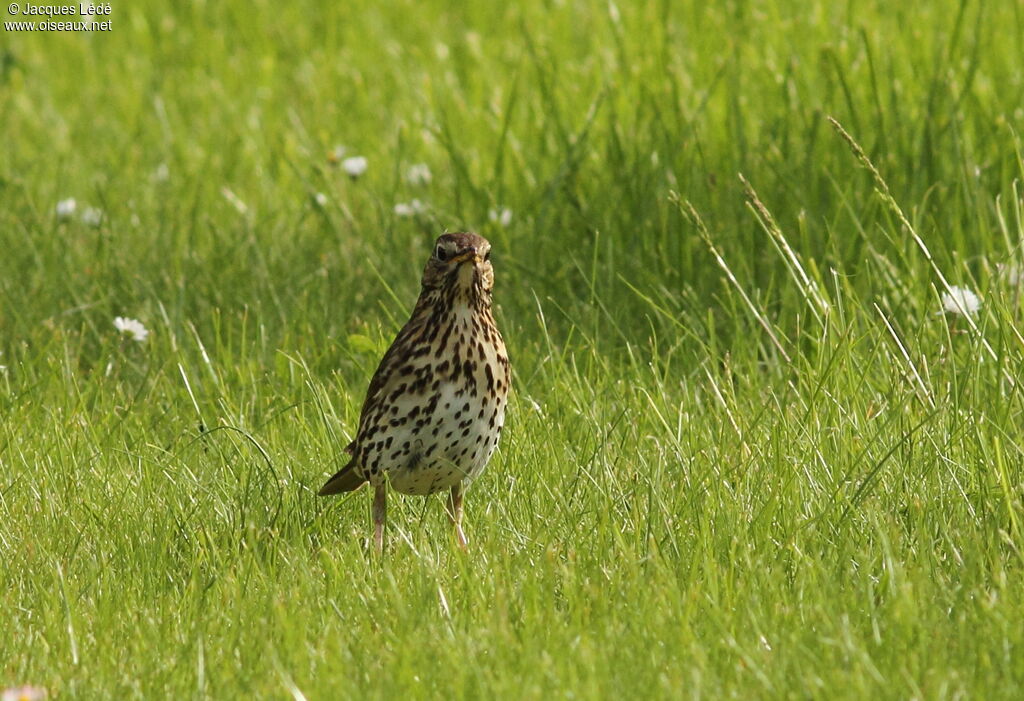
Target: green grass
{"points": [[746, 455]]}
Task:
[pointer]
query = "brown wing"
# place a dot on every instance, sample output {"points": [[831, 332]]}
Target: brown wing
{"points": [[385, 378], [351, 476]]}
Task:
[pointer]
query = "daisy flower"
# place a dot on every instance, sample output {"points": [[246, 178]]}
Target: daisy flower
{"points": [[92, 216], [23, 693], [418, 174], [65, 208], [321, 199], [354, 166], [335, 155], [501, 216], [410, 209], [131, 328], [960, 300]]}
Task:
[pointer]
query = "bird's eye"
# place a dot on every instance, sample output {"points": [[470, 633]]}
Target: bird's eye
{"points": [[441, 254]]}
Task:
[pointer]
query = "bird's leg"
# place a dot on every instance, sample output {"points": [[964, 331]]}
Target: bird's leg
{"points": [[380, 511], [455, 514]]}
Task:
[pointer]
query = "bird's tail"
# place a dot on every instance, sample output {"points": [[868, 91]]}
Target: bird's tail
{"points": [[345, 481]]}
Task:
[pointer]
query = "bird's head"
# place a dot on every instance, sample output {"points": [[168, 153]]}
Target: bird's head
{"points": [[460, 261]]}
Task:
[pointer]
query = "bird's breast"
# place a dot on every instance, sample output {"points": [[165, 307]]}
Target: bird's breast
{"points": [[441, 422]]}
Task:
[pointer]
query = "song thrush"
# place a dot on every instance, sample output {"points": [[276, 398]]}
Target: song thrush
{"points": [[436, 405]]}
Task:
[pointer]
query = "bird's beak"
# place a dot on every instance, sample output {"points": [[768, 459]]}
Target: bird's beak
{"points": [[467, 255]]}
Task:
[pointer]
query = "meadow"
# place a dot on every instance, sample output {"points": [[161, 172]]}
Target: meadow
{"points": [[765, 436]]}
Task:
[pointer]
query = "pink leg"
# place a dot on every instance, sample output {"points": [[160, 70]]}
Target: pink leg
{"points": [[455, 515], [380, 510]]}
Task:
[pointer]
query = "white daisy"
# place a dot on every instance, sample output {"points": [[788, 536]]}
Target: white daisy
{"points": [[354, 166], [65, 208], [321, 199], [960, 300], [501, 216], [92, 216], [23, 693], [410, 209], [418, 174], [131, 328]]}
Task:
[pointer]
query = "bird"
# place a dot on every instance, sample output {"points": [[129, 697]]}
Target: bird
{"points": [[435, 407]]}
